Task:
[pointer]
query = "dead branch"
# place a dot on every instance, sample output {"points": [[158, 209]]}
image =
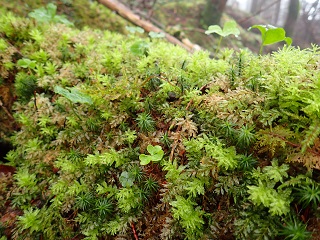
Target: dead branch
{"points": [[126, 13]]}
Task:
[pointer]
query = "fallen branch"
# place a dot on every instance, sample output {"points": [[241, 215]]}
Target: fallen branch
{"points": [[126, 13]]}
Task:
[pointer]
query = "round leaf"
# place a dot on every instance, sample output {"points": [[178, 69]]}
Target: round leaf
{"points": [[229, 28], [214, 29], [144, 159], [274, 35]]}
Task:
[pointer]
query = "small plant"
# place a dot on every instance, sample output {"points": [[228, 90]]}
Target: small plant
{"points": [[145, 122], [85, 201], [308, 194], [104, 207], [267, 192], [271, 35], [27, 63], [30, 220], [25, 86], [73, 95], [247, 163], [150, 185], [134, 30], [48, 14], [156, 154], [229, 28], [295, 230], [245, 137]]}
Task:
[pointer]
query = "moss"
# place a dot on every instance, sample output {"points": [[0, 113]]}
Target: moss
{"points": [[88, 106], [82, 13]]}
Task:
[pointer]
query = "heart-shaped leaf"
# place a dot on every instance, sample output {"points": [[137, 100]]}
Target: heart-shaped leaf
{"points": [[73, 95], [145, 159], [229, 28], [214, 29], [271, 34], [156, 154]]}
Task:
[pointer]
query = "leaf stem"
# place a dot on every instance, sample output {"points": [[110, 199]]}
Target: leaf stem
{"points": [[261, 49], [75, 111], [219, 43]]}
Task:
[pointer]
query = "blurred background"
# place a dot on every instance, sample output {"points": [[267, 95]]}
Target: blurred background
{"points": [[190, 18]]}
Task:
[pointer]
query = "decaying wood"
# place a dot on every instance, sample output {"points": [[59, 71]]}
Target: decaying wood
{"points": [[126, 13]]}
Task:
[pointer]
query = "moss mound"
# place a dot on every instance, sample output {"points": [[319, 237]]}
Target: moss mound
{"points": [[122, 138]]}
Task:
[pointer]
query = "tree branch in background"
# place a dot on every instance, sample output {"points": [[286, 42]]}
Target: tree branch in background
{"points": [[126, 13], [260, 11]]}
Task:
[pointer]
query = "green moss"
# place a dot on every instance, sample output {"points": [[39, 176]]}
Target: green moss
{"points": [[88, 107], [82, 13]]}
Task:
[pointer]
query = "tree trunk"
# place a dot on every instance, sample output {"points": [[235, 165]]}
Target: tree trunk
{"points": [[294, 6], [254, 6], [277, 13], [126, 13], [213, 12]]}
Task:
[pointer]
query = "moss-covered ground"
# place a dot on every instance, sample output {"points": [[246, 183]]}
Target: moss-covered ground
{"points": [[121, 137]]}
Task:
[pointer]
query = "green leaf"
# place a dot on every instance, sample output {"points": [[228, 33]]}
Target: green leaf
{"points": [[288, 40], [156, 34], [74, 95], [135, 29], [214, 29], [48, 14], [126, 179], [273, 36], [156, 155], [26, 63], [145, 159], [229, 28], [52, 9], [261, 28], [154, 149], [139, 48]]}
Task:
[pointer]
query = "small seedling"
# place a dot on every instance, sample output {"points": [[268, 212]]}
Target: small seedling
{"points": [[156, 154], [229, 28], [271, 35], [27, 63], [48, 14]]}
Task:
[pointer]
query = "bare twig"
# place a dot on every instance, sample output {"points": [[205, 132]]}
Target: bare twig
{"points": [[6, 110], [134, 231]]}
